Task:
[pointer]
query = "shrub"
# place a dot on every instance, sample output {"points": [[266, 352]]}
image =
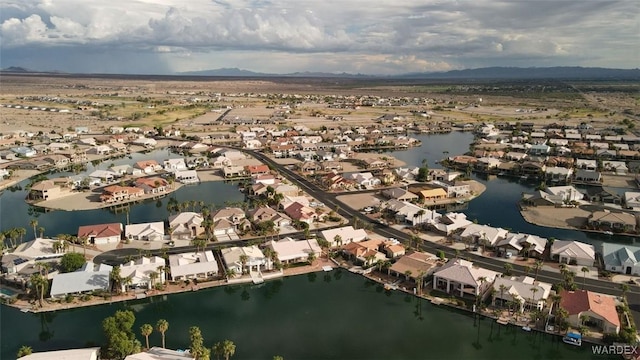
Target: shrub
{"points": [[68, 298]]}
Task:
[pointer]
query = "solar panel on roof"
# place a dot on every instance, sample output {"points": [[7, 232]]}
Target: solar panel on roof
{"points": [[19, 261]]}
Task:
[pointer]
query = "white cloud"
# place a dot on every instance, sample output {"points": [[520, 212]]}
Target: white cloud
{"points": [[368, 35]]}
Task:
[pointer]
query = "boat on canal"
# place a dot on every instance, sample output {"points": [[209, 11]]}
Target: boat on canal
{"points": [[572, 338]]}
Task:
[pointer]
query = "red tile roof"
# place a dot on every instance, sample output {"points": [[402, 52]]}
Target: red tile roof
{"points": [[100, 230], [576, 302]]}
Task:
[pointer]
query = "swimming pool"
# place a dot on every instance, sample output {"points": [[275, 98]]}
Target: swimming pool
{"points": [[7, 292]]}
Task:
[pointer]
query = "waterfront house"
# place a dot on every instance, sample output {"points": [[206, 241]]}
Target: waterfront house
{"points": [[365, 252], [221, 162], [104, 176], [145, 142], [116, 193], [459, 277], [47, 190], [483, 234], [588, 176], [566, 193], [239, 259], [291, 251], [521, 289], [57, 160], [414, 265], [233, 171], [100, 150], [343, 235], [89, 278], [371, 163], [37, 249], [453, 190], [193, 265], [487, 163], [101, 234], [560, 174], [255, 170], [148, 166], [592, 309], [573, 252], [399, 194], [624, 259], [185, 226], [141, 272], [612, 221], [174, 164], [433, 195], [524, 244], [68, 354], [152, 185], [187, 176], [632, 200], [153, 231]]}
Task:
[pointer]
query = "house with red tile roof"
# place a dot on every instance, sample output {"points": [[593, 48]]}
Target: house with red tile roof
{"points": [[101, 234], [255, 170], [301, 212], [598, 309], [115, 193]]}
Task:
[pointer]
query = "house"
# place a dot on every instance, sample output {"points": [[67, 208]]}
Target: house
{"points": [[47, 190], [614, 221], [101, 234], [399, 194], [100, 150], [193, 265], [115, 193], [483, 234], [152, 185], [233, 171], [539, 149], [618, 167], [632, 199], [343, 235], [525, 244], [148, 166], [301, 212], [414, 265], [365, 252], [620, 258], [290, 251], [433, 195], [185, 226], [407, 212], [460, 277], [153, 231], [586, 164], [573, 252], [89, 278], [393, 249], [520, 289], [187, 176], [38, 249], [57, 160], [566, 193], [450, 222], [69, 354], [453, 190], [174, 164], [232, 214], [104, 175], [239, 259], [146, 142], [144, 272], [264, 213], [371, 163], [555, 173], [592, 309], [23, 151], [365, 179], [588, 176]]}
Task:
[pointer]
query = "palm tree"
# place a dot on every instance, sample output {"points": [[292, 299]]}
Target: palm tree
{"points": [[146, 330], [537, 266], [338, 240], [34, 225], [228, 349], [116, 279], [231, 273], [41, 231], [534, 290], [24, 351], [507, 269], [39, 285], [624, 288], [311, 258], [162, 326], [21, 232], [153, 276], [199, 243], [243, 260], [584, 270], [502, 289]]}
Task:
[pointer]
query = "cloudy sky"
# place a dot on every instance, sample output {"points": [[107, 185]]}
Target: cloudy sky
{"points": [[355, 36]]}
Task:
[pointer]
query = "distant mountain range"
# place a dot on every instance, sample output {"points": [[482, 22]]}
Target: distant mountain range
{"points": [[497, 73]]}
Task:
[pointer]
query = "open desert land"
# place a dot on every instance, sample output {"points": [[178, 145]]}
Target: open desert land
{"points": [[194, 104]]}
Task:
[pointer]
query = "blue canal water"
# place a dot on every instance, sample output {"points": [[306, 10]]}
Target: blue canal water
{"points": [[335, 315]]}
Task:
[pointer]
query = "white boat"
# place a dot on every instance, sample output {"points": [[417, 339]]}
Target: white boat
{"points": [[526, 328], [572, 338], [608, 232]]}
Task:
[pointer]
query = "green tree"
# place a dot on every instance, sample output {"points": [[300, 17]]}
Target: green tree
{"points": [[24, 351], [146, 330], [584, 270], [71, 262], [225, 348], [162, 326], [196, 347], [507, 269], [39, 286], [121, 340], [34, 225], [278, 357]]}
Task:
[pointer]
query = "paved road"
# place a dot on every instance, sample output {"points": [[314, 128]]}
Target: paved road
{"points": [[602, 286]]}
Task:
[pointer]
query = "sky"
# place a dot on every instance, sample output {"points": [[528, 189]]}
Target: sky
{"points": [[376, 37]]}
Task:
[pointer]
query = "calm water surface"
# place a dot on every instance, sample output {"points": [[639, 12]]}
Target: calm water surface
{"points": [[321, 316]]}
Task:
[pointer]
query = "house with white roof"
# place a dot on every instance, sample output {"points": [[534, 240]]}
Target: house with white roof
{"points": [[450, 222], [566, 193], [517, 243], [187, 176], [253, 258], [289, 250], [153, 231], [146, 142], [105, 176], [521, 289], [556, 173], [90, 277], [573, 252], [343, 235], [141, 272], [192, 265], [172, 165], [38, 249], [483, 234], [68, 354], [407, 212], [632, 199], [365, 179], [624, 259], [459, 277]]}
